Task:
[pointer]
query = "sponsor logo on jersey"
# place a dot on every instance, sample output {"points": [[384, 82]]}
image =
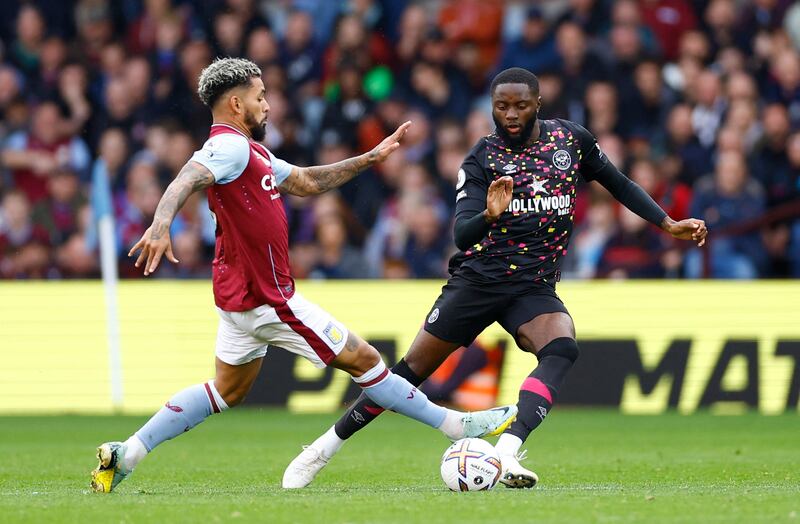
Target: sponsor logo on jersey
{"points": [[562, 159], [510, 169], [268, 182], [434, 316], [561, 204], [333, 333]]}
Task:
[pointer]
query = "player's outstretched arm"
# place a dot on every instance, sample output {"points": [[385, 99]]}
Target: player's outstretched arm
{"points": [[313, 180], [156, 241], [631, 195]]}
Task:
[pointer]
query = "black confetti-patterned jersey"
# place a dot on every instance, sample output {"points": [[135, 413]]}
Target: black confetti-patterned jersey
{"points": [[530, 238]]}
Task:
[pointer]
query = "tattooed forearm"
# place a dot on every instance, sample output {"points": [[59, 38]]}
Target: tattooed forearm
{"points": [[318, 179], [193, 177]]}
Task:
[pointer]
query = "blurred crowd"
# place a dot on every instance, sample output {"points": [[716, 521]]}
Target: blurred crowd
{"points": [[698, 101]]}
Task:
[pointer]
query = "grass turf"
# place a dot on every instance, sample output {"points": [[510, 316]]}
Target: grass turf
{"points": [[595, 466]]}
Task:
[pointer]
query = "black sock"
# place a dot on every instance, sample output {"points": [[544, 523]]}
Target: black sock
{"points": [[538, 392], [363, 410]]}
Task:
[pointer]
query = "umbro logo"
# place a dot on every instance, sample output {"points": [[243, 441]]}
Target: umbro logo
{"points": [[358, 417], [542, 412], [510, 168]]}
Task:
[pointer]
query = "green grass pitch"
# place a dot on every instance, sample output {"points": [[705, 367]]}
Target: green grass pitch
{"points": [[595, 466]]}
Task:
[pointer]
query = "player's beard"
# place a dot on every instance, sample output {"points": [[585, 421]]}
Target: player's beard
{"points": [[258, 130], [515, 141]]}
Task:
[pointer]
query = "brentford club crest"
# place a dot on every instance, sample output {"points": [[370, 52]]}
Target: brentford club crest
{"points": [[562, 159]]}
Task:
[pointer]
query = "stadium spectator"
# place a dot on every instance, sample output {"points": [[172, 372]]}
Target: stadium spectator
{"points": [[57, 213], [589, 240], [659, 181], [579, 64], [337, 257], [682, 141], [413, 31], [633, 251], [476, 22], [784, 84], [668, 19], [590, 15], [25, 51], [95, 27], [24, 246], [771, 163], [300, 54], [32, 156], [650, 102], [726, 198], [535, 48]]}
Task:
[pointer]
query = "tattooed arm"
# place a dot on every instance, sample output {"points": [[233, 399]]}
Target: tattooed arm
{"points": [[156, 241], [313, 180]]}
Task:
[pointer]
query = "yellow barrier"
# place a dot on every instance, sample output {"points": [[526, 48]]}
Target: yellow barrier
{"points": [[54, 353]]}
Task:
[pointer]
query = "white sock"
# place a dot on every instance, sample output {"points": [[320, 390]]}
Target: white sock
{"points": [[328, 444], [508, 445], [134, 452], [453, 425]]}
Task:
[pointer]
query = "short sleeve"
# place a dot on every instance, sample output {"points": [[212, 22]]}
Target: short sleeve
{"points": [[280, 168], [225, 155], [592, 158]]}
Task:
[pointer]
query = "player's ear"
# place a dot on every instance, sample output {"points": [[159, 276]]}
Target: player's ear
{"points": [[235, 104]]}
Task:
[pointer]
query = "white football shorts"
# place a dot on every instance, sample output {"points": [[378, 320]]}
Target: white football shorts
{"points": [[299, 326]]}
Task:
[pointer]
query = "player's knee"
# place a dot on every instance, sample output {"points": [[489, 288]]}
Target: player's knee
{"points": [[525, 343], [563, 347]]}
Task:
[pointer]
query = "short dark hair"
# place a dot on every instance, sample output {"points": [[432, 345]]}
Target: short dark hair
{"points": [[516, 75], [224, 74]]}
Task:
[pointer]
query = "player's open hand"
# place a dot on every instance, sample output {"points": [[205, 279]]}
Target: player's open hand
{"points": [[154, 244], [689, 229], [382, 151], [499, 197]]}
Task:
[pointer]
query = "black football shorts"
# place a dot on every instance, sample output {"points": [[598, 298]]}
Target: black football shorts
{"points": [[465, 308]]}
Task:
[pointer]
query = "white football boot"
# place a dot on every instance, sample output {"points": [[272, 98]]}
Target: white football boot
{"points": [[514, 475], [490, 422], [302, 470]]}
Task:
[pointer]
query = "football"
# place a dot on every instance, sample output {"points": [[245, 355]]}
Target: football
{"points": [[470, 464]]}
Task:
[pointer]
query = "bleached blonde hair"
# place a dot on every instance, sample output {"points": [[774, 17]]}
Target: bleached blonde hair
{"points": [[224, 74]]}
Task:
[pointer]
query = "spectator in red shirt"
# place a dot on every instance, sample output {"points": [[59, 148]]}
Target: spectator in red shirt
{"points": [[668, 19], [32, 156], [474, 21]]}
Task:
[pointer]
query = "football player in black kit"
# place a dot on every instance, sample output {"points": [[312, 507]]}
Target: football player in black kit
{"points": [[515, 206]]}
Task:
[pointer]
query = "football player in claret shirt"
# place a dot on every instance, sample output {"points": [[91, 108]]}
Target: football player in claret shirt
{"points": [[515, 204], [254, 292]]}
